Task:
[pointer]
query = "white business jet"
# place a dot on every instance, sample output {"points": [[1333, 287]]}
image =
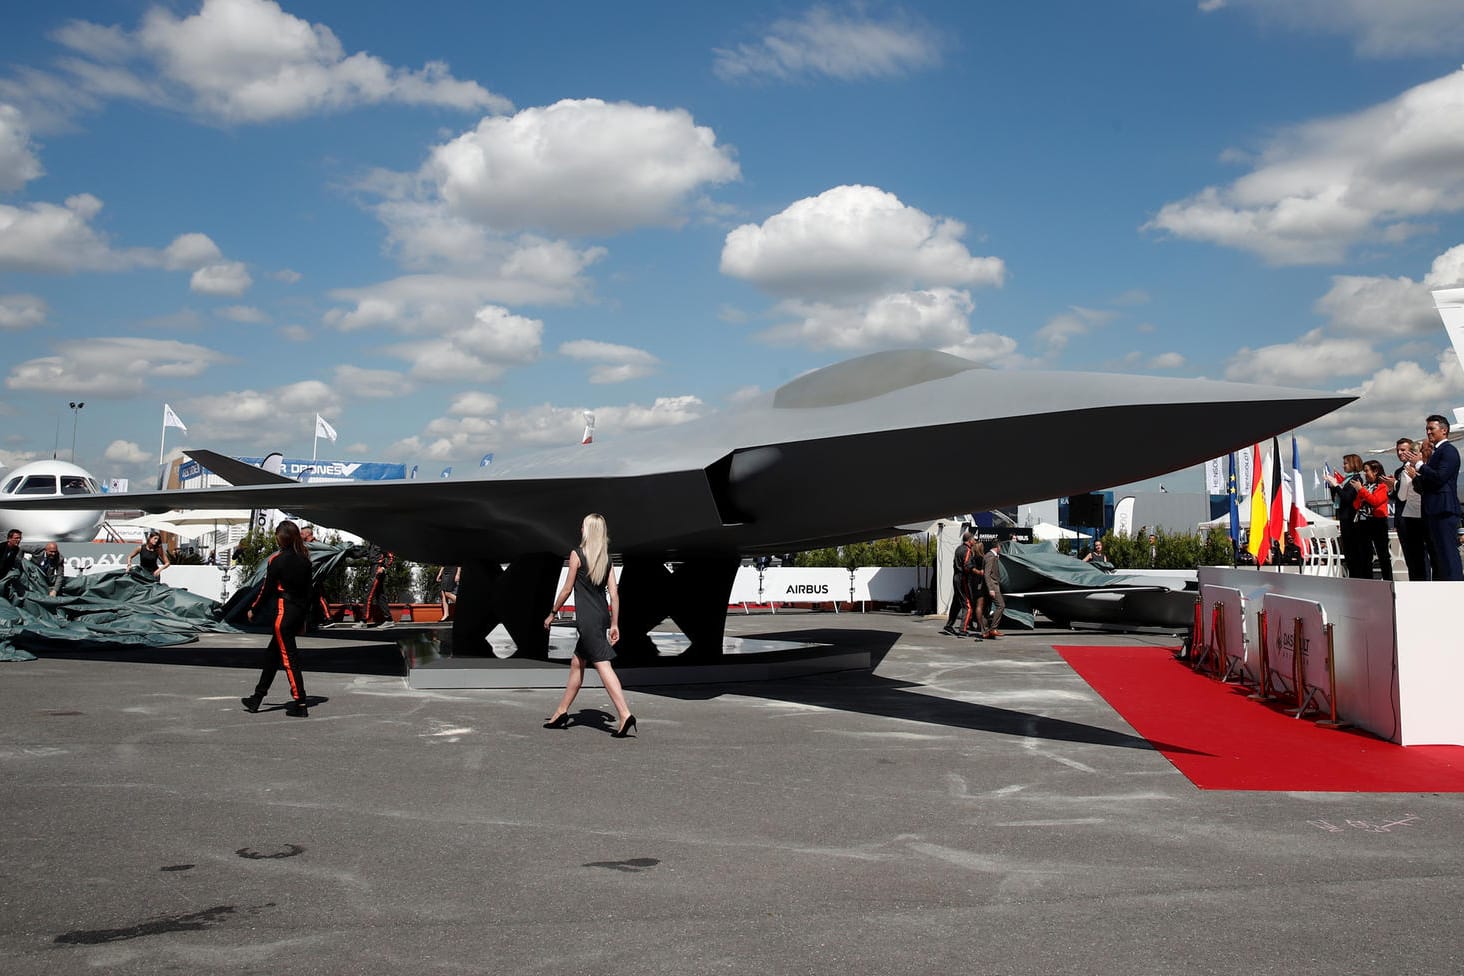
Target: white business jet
{"points": [[41, 479]]}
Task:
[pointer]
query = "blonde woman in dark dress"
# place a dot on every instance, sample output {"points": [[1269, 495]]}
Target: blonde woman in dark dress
{"points": [[596, 617]]}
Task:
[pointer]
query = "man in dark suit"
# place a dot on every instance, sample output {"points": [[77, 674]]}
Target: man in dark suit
{"points": [[1436, 482], [959, 601]]}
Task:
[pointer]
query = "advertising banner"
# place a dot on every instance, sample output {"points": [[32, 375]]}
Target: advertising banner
{"points": [[1282, 613], [1231, 604]]}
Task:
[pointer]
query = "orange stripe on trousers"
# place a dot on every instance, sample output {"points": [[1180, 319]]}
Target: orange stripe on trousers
{"points": [[284, 652]]}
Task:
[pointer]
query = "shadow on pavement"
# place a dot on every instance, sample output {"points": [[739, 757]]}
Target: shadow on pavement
{"points": [[867, 693]]}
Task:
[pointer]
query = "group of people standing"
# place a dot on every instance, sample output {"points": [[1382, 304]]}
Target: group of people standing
{"points": [[1420, 497], [976, 590]]}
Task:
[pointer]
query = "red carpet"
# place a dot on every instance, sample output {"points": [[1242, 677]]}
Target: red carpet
{"points": [[1221, 740]]}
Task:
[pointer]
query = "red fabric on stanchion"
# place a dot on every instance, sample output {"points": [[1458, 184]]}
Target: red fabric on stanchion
{"points": [[1220, 740]]}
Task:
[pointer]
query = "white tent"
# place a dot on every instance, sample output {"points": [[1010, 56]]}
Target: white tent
{"points": [[1047, 532], [192, 524], [1312, 518]]}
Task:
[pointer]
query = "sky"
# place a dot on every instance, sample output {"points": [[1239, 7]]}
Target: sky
{"points": [[449, 229]]}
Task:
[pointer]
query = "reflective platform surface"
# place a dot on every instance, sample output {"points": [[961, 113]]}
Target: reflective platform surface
{"points": [[431, 663]]}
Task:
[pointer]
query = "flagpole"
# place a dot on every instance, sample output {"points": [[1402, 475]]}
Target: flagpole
{"points": [[161, 442]]}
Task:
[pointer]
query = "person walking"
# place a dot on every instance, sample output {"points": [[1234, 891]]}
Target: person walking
{"points": [[284, 598], [448, 578], [975, 591], [993, 588], [597, 618], [378, 611], [959, 596]]}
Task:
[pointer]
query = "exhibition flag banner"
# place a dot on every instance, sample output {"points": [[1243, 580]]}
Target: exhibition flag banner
{"points": [[1280, 498], [1215, 476], [1257, 544], [1244, 472], [1234, 509], [1297, 521]]}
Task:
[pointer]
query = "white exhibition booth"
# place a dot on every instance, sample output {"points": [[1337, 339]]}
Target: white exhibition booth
{"points": [[1396, 667]]}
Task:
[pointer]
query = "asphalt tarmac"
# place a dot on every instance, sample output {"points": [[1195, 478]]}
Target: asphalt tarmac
{"points": [[963, 808]]}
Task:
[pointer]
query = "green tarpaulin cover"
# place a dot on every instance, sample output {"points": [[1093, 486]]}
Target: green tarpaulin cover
{"points": [[127, 607]]}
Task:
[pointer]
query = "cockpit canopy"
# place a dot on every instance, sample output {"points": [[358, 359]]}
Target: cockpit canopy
{"points": [[46, 484]]}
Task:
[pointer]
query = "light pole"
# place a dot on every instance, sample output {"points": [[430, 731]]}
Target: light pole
{"points": [[76, 406]]}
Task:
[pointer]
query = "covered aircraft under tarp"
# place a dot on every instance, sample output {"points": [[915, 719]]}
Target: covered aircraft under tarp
{"points": [[1065, 590], [127, 608]]}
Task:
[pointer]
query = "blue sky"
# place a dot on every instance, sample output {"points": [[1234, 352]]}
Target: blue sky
{"points": [[450, 228]]}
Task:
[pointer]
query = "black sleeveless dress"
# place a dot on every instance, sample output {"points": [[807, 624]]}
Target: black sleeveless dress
{"points": [[591, 615]]}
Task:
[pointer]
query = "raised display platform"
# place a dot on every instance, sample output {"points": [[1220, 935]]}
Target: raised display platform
{"points": [[432, 665]]}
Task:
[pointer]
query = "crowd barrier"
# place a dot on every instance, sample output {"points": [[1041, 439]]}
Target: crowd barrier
{"points": [[1378, 655]]}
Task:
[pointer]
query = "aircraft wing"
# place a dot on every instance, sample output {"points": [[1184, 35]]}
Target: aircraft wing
{"points": [[237, 472], [838, 455]]}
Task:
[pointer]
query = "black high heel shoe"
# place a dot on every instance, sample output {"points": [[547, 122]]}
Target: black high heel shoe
{"points": [[625, 730], [562, 722]]}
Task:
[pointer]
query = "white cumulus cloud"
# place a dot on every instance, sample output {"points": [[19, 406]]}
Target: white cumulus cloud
{"points": [[112, 366], [533, 273], [189, 252], [248, 61], [938, 316], [1309, 361], [1323, 186], [230, 278], [854, 239], [579, 166], [1376, 306], [126, 452], [44, 237], [261, 417], [481, 350], [474, 403], [855, 267]]}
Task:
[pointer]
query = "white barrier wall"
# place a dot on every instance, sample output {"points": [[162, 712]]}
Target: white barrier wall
{"points": [[207, 581], [782, 584], [1399, 666], [1430, 661]]}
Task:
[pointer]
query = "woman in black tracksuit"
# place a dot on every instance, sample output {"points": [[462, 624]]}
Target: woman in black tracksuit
{"points": [[285, 598]]}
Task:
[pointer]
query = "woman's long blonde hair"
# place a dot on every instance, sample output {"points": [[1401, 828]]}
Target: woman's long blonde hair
{"points": [[595, 544]]}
